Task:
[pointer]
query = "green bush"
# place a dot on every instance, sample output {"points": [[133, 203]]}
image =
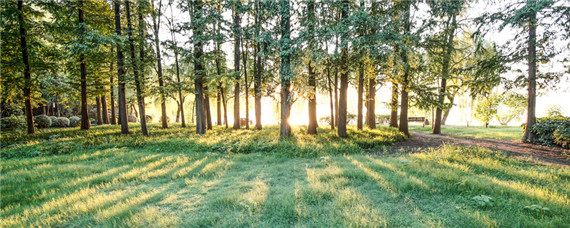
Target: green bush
{"points": [[545, 128], [74, 121], [132, 119], [42, 121], [561, 135], [52, 118], [13, 123], [61, 122]]}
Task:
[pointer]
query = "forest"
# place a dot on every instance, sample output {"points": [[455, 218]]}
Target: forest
{"points": [[305, 108]]}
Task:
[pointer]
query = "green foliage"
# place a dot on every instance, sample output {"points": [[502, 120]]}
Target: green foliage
{"points": [[74, 120], [554, 111], [13, 123], [545, 128], [511, 107], [52, 118], [486, 108], [483, 200], [42, 121], [61, 122]]}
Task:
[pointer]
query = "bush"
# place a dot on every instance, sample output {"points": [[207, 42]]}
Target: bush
{"points": [[132, 119], [13, 123], [74, 121], [42, 121], [52, 118], [61, 122], [545, 128], [92, 121], [148, 119]]}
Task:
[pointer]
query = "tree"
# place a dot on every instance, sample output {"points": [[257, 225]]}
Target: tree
{"points": [[199, 70], [83, 65], [27, 74], [237, 38], [404, 49], [156, 15], [511, 106], [344, 71], [285, 73], [487, 108], [121, 73], [310, 22]]}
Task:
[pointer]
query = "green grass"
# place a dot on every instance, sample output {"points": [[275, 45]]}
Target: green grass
{"points": [[477, 132], [168, 182]]}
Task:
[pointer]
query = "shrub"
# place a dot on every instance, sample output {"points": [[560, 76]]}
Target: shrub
{"points": [[42, 121], [74, 121], [148, 119], [561, 135], [14, 123], [92, 121], [545, 128], [61, 122], [132, 119], [52, 118]]}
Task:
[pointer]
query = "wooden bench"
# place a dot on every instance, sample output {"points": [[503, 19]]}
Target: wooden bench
{"points": [[418, 119]]}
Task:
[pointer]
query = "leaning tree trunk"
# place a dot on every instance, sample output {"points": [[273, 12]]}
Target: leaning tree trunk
{"points": [[529, 136], [285, 72], [83, 70], [27, 73], [394, 106], [236, 69], [121, 74], [371, 107], [138, 81], [360, 91]]}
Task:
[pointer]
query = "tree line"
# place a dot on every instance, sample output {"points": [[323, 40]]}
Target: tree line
{"points": [[428, 51]]}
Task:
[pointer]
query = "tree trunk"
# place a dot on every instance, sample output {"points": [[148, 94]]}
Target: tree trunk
{"points": [[236, 69], [207, 109], [178, 112], [104, 107], [27, 72], [285, 72], [121, 74], [394, 106], [99, 113], [83, 69], [156, 26], [360, 91], [246, 86], [445, 74], [138, 88], [112, 96], [446, 113], [531, 100], [342, 109], [371, 107], [225, 104], [197, 29], [331, 97], [312, 128], [257, 82], [218, 107], [336, 96], [404, 94]]}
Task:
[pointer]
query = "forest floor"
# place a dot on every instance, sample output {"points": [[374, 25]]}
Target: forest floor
{"points": [[421, 141]]}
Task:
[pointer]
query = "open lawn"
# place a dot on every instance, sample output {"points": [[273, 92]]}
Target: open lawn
{"points": [[67, 177], [476, 132]]}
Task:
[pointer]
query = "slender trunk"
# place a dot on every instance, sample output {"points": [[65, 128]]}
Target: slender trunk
{"points": [[445, 75], [342, 107], [180, 97], [446, 113], [285, 72], [156, 26], [371, 107], [197, 29], [404, 94], [531, 100], [257, 82], [207, 109], [104, 107], [360, 91], [336, 96], [236, 69], [27, 72], [218, 108], [140, 99], [312, 128], [331, 97], [112, 96], [121, 73], [246, 87], [99, 113], [83, 69], [225, 104], [394, 106], [178, 112], [220, 98]]}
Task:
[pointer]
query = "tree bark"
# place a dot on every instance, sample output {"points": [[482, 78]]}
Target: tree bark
{"points": [[99, 112], [104, 107], [112, 96], [225, 104], [332, 122], [531, 100], [371, 107], [246, 86], [138, 88], [394, 106], [342, 109], [312, 128], [360, 91], [121, 74], [236, 69], [156, 26], [218, 108], [285, 72], [27, 72], [207, 109], [404, 93], [336, 96], [258, 69], [198, 68], [83, 69]]}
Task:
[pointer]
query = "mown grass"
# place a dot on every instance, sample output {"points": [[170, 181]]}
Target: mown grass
{"points": [[171, 184], [477, 132]]}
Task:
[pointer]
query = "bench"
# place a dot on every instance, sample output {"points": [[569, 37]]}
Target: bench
{"points": [[418, 119]]}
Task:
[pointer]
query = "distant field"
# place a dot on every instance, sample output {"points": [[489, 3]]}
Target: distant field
{"points": [[226, 178], [477, 132]]}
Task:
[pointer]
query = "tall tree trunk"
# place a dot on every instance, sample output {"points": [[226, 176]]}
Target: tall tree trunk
{"points": [[531, 100], [331, 97], [446, 113], [218, 107], [360, 91], [342, 107], [220, 98], [197, 29], [445, 74], [99, 112], [336, 96], [27, 72], [112, 95], [225, 104], [312, 128], [246, 86], [236, 69], [258, 69], [156, 25], [178, 112], [394, 106], [207, 109], [83, 69], [404, 94], [371, 107], [104, 107], [285, 72], [121, 73], [140, 99]]}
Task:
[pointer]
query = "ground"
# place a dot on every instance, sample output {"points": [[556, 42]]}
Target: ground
{"points": [[178, 179]]}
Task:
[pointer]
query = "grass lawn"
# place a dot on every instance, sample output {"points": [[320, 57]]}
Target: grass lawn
{"points": [[248, 178], [477, 132]]}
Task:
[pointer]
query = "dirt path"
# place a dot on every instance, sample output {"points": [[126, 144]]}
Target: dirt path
{"points": [[421, 141]]}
